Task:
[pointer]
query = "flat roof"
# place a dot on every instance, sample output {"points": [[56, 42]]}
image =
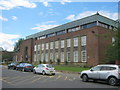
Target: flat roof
{"points": [[89, 19]]}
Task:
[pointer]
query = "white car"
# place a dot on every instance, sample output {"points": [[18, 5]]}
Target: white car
{"points": [[44, 69], [109, 73]]}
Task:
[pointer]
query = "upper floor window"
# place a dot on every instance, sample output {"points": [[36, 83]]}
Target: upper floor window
{"points": [[60, 32], [51, 45], [42, 46], [76, 41], [56, 44], [68, 42], [83, 40], [35, 47], [62, 43], [38, 47], [47, 45]]}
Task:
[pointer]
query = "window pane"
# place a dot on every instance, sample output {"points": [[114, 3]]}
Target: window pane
{"points": [[68, 42], [76, 41]]}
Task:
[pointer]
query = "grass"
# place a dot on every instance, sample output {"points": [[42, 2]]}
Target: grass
{"points": [[68, 68]]}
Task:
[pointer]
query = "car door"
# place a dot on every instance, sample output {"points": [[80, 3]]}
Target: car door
{"points": [[94, 72], [104, 72], [38, 68]]}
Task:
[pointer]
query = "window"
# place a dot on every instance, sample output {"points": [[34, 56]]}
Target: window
{"points": [[105, 68], [56, 44], [75, 56], [68, 56], [68, 42], [61, 32], [51, 56], [56, 56], [51, 45], [83, 56], [42, 57], [38, 47], [113, 39], [62, 56], [76, 41], [34, 57], [42, 37], [96, 68], [42, 46], [46, 57], [83, 40], [35, 47], [62, 43], [38, 57], [47, 45]]}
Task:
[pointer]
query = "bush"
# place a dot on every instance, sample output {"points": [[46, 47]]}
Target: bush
{"points": [[58, 61]]}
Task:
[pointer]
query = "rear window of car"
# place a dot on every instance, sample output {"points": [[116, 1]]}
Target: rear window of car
{"points": [[49, 66], [28, 64]]}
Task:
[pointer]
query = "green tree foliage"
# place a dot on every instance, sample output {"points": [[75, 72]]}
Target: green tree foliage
{"points": [[113, 52], [17, 44]]}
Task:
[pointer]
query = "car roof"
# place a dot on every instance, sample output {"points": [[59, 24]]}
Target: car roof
{"points": [[108, 65]]}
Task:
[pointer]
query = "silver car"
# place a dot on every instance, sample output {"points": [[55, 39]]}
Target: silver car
{"points": [[109, 73], [44, 69]]}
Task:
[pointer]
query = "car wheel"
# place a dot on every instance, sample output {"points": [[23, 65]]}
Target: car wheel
{"points": [[34, 71], [84, 78], [8, 67], [43, 73], [112, 81]]}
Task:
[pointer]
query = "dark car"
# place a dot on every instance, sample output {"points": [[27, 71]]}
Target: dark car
{"points": [[25, 67], [12, 65]]}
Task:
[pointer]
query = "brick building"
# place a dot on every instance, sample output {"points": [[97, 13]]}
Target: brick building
{"points": [[78, 42]]}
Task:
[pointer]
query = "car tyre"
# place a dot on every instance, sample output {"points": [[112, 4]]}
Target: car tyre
{"points": [[34, 71], [112, 81], [53, 74], [43, 73], [84, 78]]}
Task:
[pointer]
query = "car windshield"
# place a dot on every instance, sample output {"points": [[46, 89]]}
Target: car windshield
{"points": [[49, 66]]}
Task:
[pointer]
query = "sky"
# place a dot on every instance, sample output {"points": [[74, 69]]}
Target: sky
{"points": [[21, 18]]}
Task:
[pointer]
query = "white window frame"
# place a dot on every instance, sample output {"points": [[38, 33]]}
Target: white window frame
{"points": [[47, 46], [82, 59], [38, 47], [62, 43], [56, 44], [51, 56], [35, 47], [68, 42], [76, 41], [46, 57], [43, 46], [83, 40], [62, 56], [56, 56], [42, 57], [75, 56], [51, 45], [68, 58]]}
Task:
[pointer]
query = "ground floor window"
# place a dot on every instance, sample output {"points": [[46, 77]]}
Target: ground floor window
{"points": [[56, 56], [83, 56], [75, 56], [51, 56], [34, 57], [42, 57], [38, 57], [46, 58], [62, 56], [68, 56]]}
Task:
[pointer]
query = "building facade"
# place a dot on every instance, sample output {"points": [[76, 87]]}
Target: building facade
{"points": [[79, 42]]}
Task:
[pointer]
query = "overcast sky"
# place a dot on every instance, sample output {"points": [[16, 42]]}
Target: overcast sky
{"points": [[20, 18]]}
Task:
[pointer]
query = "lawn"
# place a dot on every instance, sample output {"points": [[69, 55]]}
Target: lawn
{"points": [[68, 68]]}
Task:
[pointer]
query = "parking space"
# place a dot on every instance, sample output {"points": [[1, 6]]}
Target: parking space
{"points": [[19, 79]]}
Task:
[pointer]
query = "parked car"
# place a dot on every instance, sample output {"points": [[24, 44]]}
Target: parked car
{"points": [[25, 67], [109, 73], [44, 69], [12, 65]]}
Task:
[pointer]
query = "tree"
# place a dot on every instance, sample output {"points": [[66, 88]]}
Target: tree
{"points": [[17, 44], [113, 52]]}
